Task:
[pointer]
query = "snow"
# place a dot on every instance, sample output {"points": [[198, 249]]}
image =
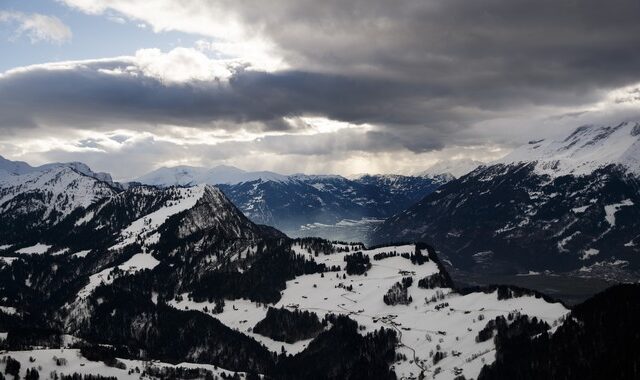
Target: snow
{"points": [[8, 310], [529, 273], [583, 151], [241, 315], [76, 363], [136, 263], [613, 263], [82, 254], [610, 211], [8, 260], [60, 252], [14, 167], [145, 227], [4, 247], [580, 210], [589, 253], [37, 249], [65, 188], [418, 324], [139, 261], [190, 175]]}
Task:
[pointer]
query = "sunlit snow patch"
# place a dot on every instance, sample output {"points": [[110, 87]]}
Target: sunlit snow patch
{"points": [[37, 249]]}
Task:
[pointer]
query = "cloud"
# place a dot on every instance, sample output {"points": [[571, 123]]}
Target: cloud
{"points": [[517, 42], [38, 27], [130, 153], [416, 79], [424, 68], [184, 87]]}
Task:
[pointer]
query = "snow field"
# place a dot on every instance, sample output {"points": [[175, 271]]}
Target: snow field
{"points": [[423, 329], [76, 363]]}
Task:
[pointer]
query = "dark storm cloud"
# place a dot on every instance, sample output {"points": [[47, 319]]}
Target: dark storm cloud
{"points": [[423, 71], [459, 42], [86, 95]]}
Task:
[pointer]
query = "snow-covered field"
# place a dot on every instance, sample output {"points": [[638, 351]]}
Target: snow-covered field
{"points": [[46, 361], [423, 327]]}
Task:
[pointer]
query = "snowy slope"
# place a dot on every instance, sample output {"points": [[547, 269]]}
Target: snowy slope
{"points": [[10, 168], [45, 360], [13, 167], [139, 215], [36, 200], [586, 149], [424, 327], [144, 229], [66, 189]]}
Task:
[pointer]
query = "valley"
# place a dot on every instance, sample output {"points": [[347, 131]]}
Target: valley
{"points": [[197, 281]]}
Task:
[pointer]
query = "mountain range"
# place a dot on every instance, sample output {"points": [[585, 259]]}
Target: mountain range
{"points": [[175, 282], [564, 205], [329, 206], [104, 279]]}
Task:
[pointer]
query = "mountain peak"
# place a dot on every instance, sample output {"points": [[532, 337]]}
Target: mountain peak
{"points": [[14, 167], [20, 168], [193, 175], [587, 148]]}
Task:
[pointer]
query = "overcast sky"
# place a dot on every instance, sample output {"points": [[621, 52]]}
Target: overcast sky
{"points": [[334, 86]]}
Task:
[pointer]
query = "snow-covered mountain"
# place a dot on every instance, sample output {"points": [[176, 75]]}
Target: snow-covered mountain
{"points": [[37, 199], [10, 168], [451, 168], [392, 308], [329, 206], [586, 149], [567, 205], [192, 175], [127, 282]]}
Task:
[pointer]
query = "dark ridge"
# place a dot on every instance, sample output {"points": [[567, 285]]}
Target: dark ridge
{"points": [[600, 340], [507, 292]]}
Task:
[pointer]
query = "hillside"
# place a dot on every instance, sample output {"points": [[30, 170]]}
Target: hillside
{"points": [[563, 206]]}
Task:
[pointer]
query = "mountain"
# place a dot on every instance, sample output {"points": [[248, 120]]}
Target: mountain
{"points": [[190, 175], [582, 152], [411, 187], [35, 199], [175, 282], [340, 305], [10, 168], [452, 168], [569, 205], [329, 206]]}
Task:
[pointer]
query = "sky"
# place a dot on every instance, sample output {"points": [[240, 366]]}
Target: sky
{"points": [[336, 86]]}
